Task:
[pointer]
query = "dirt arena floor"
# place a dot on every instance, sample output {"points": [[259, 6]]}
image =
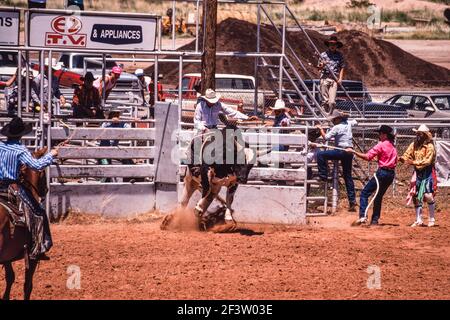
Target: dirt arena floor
{"points": [[327, 259]]}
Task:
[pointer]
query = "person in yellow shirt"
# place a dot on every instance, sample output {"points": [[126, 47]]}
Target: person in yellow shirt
{"points": [[422, 155]]}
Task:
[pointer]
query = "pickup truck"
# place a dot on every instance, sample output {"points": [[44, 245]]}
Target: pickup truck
{"points": [[230, 86], [75, 62]]}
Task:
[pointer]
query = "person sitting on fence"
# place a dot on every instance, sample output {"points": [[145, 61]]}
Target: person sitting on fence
{"points": [[13, 91], [282, 119], [207, 112], [331, 65], [387, 161], [114, 115], [36, 87], [422, 155], [144, 84], [12, 156], [86, 102], [110, 82], [343, 139]]}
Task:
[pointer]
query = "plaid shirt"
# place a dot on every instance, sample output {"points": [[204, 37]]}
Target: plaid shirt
{"points": [[13, 155], [335, 62]]}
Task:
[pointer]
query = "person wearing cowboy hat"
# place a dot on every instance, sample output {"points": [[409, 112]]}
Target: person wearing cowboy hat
{"points": [[422, 155], [12, 156], [281, 120], [36, 86], [342, 134], [331, 65], [110, 81], [207, 111], [86, 102], [387, 161]]}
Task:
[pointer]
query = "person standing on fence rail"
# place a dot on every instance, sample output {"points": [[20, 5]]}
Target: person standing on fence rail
{"points": [[36, 87], [208, 109], [422, 155], [12, 156], [110, 81], [343, 139], [387, 161], [86, 102], [331, 61]]}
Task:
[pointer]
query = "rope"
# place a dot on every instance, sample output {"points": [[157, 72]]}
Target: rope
{"points": [[374, 196]]}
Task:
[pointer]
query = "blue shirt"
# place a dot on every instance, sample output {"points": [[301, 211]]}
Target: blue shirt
{"points": [[207, 117], [113, 143], [342, 134], [13, 155], [334, 60]]}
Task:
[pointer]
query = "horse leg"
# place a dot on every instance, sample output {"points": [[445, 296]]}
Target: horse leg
{"points": [[188, 191], [29, 273], [10, 277], [231, 191]]}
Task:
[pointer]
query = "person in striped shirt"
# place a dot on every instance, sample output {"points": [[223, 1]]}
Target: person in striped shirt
{"points": [[12, 156]]}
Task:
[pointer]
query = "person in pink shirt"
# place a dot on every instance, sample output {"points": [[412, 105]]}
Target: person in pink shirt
{"points": [[387, 161]]}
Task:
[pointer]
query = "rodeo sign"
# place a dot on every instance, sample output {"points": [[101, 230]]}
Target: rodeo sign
{"points": [[91, 30]]}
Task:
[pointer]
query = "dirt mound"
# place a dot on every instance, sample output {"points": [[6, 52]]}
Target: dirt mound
{"points": [[376, 62]]}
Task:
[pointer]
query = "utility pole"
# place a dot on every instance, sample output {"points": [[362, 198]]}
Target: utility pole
{"points": [[209, 49]]}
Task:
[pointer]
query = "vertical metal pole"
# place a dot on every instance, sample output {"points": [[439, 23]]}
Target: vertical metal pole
{"points": [[41, 98], [155, 79], [103, 81], [27, 67], [197, 7], [335, 198], [49, 78], [258, 48], [283, 44], [180, 89], [19, 83], [49, 142], [173, 24], [306, 170]]}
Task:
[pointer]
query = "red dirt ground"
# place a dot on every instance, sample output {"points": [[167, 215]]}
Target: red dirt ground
{"points": [[326, 259]]}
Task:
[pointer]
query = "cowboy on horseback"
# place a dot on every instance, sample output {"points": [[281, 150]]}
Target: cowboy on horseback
{"points": [[13, 155]]}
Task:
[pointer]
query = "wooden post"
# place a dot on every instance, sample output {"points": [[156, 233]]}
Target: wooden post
{"points": [[209, 50]]}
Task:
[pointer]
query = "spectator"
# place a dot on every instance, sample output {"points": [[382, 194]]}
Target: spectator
{"points": [[13, 91], [331, 65], [343, 139], [387, 161], [110, 82], [152, 91], [36, 86], [422, 155], [144, 85], [86, 101], [281, 120]]}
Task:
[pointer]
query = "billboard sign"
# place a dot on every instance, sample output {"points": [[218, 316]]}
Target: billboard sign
{"points": [[91, 30], [9, 27]]}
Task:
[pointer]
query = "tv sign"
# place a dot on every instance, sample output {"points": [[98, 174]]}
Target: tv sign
{"points": [[66, 32], [9, 27], [91, 30]]}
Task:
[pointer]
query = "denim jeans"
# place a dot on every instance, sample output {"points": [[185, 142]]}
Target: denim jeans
{"points": [[385, 178], [346, 162]]}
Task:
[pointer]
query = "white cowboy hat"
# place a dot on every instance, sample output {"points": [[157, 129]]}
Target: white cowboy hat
{"points": [[33, 73], [139, 72], [422, 128], [211, 96], [55, 64], [279, 105]]}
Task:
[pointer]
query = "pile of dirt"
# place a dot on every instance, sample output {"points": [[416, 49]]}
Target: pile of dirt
{"points": [[376, 62]]}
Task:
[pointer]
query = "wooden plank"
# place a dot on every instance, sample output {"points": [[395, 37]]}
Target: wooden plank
{"points": [[62, 133], [103, 171], [104, 199], [106, 152], [277, 174]]}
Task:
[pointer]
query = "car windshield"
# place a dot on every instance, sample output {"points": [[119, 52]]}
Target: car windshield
{"points": [[233, 83], [78, 62], [8, 59], [442, 102]]}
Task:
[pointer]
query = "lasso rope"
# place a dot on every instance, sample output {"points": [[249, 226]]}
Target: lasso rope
{"points": [[374, 196]]}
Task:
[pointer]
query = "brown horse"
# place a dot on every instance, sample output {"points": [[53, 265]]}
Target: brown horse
{"points": [[12, 246]]}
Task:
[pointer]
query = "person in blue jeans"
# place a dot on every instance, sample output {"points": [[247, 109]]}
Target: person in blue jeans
{"points": [[387, 161], [342, 134]]}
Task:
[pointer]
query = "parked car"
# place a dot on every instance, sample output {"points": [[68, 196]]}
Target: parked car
{"points": [[423, 106]]}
